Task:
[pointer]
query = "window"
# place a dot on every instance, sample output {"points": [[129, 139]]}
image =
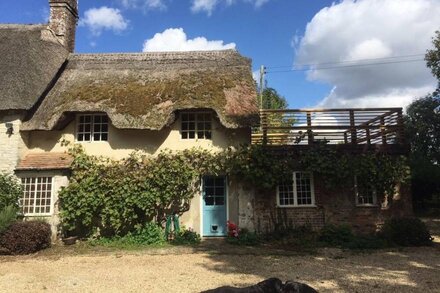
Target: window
{"points": [[37, 196], [365, 196], [298, 191], [196, 125], [92, 128]]}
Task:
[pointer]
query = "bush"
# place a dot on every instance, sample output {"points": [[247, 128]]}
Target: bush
{"points": [[365, 242], [26, 237], [10, 191], [186, 237], [245, 238], [301, 238], [406, 232], [336, 235], [149, 234], [7, 216]]}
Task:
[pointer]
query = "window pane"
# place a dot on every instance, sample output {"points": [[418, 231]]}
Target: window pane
{"points": [[97, 128], [303, 188], [197, 124], [36, 195], [285, 193], [209, 200], [219, 200]]}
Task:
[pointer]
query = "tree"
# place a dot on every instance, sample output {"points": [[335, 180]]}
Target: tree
{"points": [[273, 100], [423, 132], [432, 58]]}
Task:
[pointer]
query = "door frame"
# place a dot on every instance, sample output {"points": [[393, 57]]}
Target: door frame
{"points": [[201, 203]]}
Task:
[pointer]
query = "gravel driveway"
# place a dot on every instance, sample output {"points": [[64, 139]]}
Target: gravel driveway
{"points": [[193, 270]]}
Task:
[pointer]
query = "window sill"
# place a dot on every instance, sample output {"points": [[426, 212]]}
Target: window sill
{"points": [[367, 205], [297, 206], [38, 215]]}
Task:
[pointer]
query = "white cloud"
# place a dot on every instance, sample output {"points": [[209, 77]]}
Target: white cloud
{"points": [[353, 30], [104, 18], [175, 39], [208, 6], [144, 4], [204, 5]]}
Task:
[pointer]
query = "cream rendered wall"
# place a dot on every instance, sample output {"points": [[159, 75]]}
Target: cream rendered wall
{"points": [[12, 147], [122, 142]]}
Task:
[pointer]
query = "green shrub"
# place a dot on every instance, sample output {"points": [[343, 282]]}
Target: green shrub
{"points": [[336, 235], [406, 232], [7, 216], [117, 196], [301, 238], [186, 237], [149, 234], [343, 237], [245, 238], [26, 237], [366, 242], [10, 191]]}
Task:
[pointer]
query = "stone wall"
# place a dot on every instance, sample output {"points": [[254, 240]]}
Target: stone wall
{"points": [[12, 146]]}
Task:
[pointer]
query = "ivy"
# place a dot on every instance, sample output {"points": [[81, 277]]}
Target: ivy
{"points": [[115, 197]]}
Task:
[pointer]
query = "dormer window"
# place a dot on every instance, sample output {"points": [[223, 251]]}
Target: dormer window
{"points": [[92, 127], [196, 125]]}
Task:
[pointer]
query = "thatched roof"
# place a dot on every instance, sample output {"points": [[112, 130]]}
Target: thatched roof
{"points": [[144, 90], [30, 57]]}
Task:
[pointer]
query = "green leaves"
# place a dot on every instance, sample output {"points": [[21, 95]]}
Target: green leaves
{"points": [[115, 197], [10, 191]]}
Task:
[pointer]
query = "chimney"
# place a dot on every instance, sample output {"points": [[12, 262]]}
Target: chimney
{"points": [[63, 20]]}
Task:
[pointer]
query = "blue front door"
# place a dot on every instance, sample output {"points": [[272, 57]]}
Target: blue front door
{"points": [[214, 206]]}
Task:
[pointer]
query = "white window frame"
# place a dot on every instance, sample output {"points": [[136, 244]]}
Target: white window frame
{"points": [[50, 213], [356, 194], [92, 139], [195, 125], [295, 192]]}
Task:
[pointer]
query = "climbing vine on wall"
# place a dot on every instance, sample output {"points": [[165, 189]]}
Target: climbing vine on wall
{"points": [[115, 197]]}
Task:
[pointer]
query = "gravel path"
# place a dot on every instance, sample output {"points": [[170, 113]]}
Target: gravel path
{"points": [[186, 270]]}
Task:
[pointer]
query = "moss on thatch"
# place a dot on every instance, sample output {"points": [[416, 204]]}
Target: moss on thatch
{"points": [[145, 97]]}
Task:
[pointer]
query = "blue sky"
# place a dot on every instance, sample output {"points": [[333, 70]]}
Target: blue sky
{"points": [[275, 33]]}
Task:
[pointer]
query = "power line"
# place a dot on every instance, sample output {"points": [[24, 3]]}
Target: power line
{"points": [[347, 61], [345, 66]]}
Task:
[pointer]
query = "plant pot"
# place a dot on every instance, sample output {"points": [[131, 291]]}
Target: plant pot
{"points": [[70, 240]]}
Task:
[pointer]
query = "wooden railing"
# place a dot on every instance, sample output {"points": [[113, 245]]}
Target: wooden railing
{"points": [[332, 126]]}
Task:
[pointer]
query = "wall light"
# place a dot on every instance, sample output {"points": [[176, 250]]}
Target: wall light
{"points": [[9, 128]]}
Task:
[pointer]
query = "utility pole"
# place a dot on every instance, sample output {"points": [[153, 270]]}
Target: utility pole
{"points": [[262, 73]]}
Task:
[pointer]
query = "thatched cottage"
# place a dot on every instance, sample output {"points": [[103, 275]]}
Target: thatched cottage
{"points": [[113, 104]]}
